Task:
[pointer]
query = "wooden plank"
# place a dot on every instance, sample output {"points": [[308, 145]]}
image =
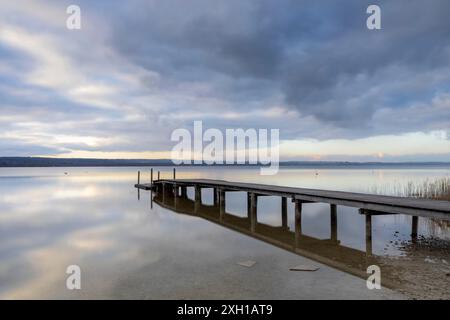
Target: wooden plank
{"points": [[144, 186]]}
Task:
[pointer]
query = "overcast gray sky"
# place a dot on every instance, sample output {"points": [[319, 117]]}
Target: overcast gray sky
{"points": [[139, 69]]}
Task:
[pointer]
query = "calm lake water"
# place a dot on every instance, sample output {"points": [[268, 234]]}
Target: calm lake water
{"points": [[51, 218]]}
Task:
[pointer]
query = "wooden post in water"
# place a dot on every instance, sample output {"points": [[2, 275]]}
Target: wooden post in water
{"points": [[253, 211], [284, 212], [198, 193], [151, 177], [175, 189], [175, 195], [183, 192], [415, 227], [151, 199], [159, 175], [368, 234], [333, 222], [215, 200], [248, 205], [221, 204], [138, 182], [198, 198], [298, 221], [174, 175]]}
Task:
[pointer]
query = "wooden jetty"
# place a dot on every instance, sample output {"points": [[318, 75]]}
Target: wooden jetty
{"points": [[172, 194], [368, 204]]}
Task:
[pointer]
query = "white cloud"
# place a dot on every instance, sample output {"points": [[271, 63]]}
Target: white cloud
{"points": [[414, 143]]}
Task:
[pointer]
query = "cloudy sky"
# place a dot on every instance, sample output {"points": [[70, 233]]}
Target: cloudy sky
{"points": [[137, 70]]}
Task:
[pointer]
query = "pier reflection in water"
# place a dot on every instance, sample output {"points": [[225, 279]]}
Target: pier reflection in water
{"points": [[328, 251]]}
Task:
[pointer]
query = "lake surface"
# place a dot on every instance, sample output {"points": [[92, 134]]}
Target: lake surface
{"points": [[128, 247]]}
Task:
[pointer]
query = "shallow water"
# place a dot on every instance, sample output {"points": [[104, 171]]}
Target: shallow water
{"points": [[54, 217]]}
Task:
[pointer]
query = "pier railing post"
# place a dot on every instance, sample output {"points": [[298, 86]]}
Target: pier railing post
{"points": [[139, 177], [151, 177], [174, 173]]}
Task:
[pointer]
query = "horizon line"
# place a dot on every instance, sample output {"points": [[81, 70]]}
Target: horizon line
{"points": [[217, 164]]}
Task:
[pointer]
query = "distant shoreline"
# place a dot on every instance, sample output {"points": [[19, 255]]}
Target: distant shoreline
{"points": [[11, 162]]}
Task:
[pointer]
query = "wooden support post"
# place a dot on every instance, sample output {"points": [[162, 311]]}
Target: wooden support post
{"points": [[248, 205], [414, 228], [284, 212], [139, 177], [298, 221], [196, 206], [198, 198], [164, 193], [198, 193], [175, 195], [253, 211], [222, 203], [215, 200], [151, 199], [159, 175], [184, 192], [368, 234], [151, 177], [175, 189], [174, 175], [333, 222]]}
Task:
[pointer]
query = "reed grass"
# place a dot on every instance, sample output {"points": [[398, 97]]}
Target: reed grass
{"points": [[438, 189], [435, 189]]}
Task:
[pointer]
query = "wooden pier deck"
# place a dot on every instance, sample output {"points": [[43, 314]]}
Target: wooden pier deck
{"points": [[368, 203]]}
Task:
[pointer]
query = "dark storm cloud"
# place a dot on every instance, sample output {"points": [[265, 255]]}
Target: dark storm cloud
{"points": [[318, 55], [139, 69]]}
